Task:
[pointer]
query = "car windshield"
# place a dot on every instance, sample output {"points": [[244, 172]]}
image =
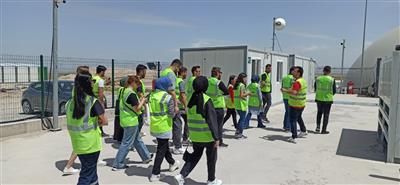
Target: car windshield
{"points": [[66, 86]]}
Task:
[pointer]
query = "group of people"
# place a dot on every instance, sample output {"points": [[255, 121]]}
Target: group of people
{"points": [[188, 111]]}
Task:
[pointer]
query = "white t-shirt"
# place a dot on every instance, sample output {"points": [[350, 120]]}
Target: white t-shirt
{"points": [[101, 83]]}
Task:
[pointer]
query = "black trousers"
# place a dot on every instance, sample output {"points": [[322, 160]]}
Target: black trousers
{"points": [[185, 135], [295, 115], [267, 102], [231, 112], [118, 130], [162, 152], [324, 108], [88, 173], [220, 119], [195, 157]]}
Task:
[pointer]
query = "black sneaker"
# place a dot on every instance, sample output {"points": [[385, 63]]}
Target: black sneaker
{"points": [[103, 134], [223, 145], [261, 126], [325, 132], [317, 130], [266, 120]]}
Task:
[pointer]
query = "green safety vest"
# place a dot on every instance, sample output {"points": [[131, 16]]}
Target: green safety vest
{"points": [[189, 88], [141, 86], [324, 90], [299, 100], [96, 79], [177, 91], [240, 103], [127, 116], [267, 86], [254, 99], [229, 103], [167, 71], [198, 127], [215, 93], [84, 132], [160, 122], [287, 83]]}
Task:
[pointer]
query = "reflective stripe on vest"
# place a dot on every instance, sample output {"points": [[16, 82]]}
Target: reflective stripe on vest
{"points": [[160, 121], [85, 126], [162, 111], [215, 93]]}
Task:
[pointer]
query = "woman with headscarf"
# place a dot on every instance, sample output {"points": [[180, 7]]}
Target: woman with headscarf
{"points": [[84, 116], [162, 111], [203, 132], [255, 102]]}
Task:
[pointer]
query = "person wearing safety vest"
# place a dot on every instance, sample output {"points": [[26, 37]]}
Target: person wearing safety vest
{"points": [[98, 89], [287, 82], [229, 101], [266, 90], [255, 102], [141, 91], [241, 106], [180, 118], [216, 91], [196, 72], [203, 132], [297, 103], [118, 130], [84, 116], [325, 87], [170, 72], [130, 106], [162, 111]]}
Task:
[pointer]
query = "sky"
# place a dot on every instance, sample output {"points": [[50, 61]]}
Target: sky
{"points": [[155, 30]]}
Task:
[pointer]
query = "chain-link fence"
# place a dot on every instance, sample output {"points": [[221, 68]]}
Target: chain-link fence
{"points": [[25, 94]]}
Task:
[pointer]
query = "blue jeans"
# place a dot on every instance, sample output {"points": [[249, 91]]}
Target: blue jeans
{"points": [[295, 117], [286, 120], [248, 117], [242, 121], [88, 173], [131, 137]]}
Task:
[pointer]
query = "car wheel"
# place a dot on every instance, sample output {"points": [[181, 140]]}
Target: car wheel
{"points": [[62, 109], [26, 107]]}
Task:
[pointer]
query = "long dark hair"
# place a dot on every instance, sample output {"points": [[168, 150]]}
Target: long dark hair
{"points": [[83, 88], [231, 78], [240, 79]]}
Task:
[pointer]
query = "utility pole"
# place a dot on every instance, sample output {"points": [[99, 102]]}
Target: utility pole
{"points": [[54, 58], [343, 47], [273, 34], [363, 46]]}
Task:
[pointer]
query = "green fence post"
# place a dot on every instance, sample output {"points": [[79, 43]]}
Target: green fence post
{"points": [[112, 82], [41, 87]]}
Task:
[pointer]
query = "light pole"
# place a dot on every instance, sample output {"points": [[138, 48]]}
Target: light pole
{"points": [[343, 47], [363, 45], [277, 24], [54, 58], [273, 34]]}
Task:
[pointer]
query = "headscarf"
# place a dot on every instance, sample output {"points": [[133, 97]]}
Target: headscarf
{"points": [[200, 85], [163, 84], [255, 79]]}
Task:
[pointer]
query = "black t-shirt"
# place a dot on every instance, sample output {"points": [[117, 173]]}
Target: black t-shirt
{"points": [[132, 100], [97, 109]]}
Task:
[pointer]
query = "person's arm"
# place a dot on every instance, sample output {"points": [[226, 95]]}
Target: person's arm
{"points": [[315, 86], [101, 92], [211, 119], [172, 92], [334, 87], [294, 90], [135, 103], [223, 88], [263, 79], [171, 108], [182, 94], [98, 111], [243, 93]]}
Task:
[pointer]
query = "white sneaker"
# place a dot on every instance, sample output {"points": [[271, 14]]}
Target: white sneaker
{"points": [[292, 140], [302, 134], [70, 171], [142, 134], [175, 166], [101, 163], [179, 178], [215, 182], [155, 178], [178, 151]]}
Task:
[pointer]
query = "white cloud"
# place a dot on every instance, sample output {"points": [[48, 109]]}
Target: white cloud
{"points": [[311, 35], [310, 48], [135, 17]]}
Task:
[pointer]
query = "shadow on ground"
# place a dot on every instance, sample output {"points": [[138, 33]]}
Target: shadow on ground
{"points": [[385, 178], [60, 165], [360, 144], [276, 138]]}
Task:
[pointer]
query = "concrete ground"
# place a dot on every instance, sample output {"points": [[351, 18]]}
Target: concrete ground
{"points": [[348, 155]]}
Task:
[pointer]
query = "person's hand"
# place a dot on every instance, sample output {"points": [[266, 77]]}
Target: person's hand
{"points": [[143, 100], [176, 109], [216, 144], [281, 89]]}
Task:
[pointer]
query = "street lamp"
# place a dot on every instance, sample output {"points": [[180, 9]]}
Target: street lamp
{"points": [[343, 47], [363, 45], [54, 58], [278, 24]]}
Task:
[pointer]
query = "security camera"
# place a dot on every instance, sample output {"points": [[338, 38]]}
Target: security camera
{"points": [[280, 23]]}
